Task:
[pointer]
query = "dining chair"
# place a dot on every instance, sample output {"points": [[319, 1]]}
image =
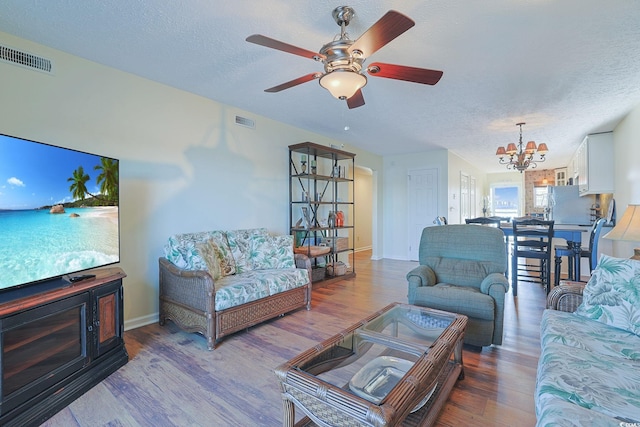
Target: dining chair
{"points": [[532, 239], [574, 256], [484, 220]]}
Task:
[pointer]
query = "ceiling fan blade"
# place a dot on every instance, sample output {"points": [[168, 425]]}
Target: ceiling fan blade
{"points": [[401, 72], [294, 82], [390, 26], [357, 100], [285, 47]]}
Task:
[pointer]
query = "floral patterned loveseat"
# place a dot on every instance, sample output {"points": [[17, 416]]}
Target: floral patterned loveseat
{"points": [[219, 282], [589, 368]]}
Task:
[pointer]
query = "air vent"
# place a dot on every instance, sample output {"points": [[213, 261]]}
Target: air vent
{"points": [[26, 60], [243, 121]]}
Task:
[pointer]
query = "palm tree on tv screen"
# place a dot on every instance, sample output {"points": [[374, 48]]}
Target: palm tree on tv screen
{"points": [[78, 186], [108, 179]]}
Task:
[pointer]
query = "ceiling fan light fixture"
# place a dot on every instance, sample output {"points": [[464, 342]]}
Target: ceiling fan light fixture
{"points": [[343, 84]]}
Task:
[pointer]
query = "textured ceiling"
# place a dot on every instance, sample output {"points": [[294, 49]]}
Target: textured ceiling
{"points": [[566, 67]]}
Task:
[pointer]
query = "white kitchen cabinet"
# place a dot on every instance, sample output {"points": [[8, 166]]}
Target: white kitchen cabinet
{"points": [[561, 176], [594, 164]]}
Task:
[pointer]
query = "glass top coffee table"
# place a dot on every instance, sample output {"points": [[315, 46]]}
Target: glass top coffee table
{"points": [[395, 367]]}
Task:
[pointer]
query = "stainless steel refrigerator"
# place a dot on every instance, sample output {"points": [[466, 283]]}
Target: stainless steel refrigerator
{"points": [[569, 208]]}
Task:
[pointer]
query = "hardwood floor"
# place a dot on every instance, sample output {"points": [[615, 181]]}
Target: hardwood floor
{"points": [[172, 380]]}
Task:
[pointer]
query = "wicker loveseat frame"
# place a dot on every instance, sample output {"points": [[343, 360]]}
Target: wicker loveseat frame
{"points": [[187, 298], [188, 292]]}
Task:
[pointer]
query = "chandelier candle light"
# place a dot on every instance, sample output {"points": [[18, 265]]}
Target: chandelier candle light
{"points": [[520, 158]]}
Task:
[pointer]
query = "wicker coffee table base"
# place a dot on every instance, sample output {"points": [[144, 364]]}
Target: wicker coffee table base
{"points": [[428, 414]]}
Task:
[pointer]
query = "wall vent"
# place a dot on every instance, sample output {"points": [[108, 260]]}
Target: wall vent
{"points": [[243, 121], [26, 60]]}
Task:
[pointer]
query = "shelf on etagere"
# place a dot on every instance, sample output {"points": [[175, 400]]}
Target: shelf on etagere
{"points": [[321, 177]]}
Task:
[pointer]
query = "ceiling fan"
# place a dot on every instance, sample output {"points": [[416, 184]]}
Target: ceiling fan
{"points": [[343, 58]]}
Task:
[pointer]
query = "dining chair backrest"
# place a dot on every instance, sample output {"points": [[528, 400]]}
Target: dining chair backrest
{"points": [[483, 220], [594, 236], [537, 233], [501, 218]]}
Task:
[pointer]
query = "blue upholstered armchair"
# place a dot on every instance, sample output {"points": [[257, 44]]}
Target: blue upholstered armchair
{"points": [[462, 270]]}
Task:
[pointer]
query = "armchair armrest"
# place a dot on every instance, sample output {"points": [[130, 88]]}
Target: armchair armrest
{"points": [[421, 276], [566, 297], [494, 283]]}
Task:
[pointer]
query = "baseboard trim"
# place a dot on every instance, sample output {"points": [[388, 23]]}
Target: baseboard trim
{"points": [[141, 321]]}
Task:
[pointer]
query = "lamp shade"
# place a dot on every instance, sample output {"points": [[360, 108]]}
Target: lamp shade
{"points": [[511, 149], [531, 147], [628, 228], [343, 84], [501, 152], [542, 149]]}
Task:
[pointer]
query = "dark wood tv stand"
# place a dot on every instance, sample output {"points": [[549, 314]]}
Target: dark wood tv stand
{"points": [[58, 340]]}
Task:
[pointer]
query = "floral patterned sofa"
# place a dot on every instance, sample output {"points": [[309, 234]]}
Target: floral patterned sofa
{"points": [[219, 282], [589, 368]]}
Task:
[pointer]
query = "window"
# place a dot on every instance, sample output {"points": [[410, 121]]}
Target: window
{"points": [[540, 197], [505, 201]]}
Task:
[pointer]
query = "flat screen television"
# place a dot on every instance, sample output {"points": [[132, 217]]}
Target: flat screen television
{"points": [[59, 212]]}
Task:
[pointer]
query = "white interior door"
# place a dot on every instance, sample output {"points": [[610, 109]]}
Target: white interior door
{"points": [[464, 197], [423, 205]]}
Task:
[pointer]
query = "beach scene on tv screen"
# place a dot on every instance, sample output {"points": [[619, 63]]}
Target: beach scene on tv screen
{"points": [[58, 211]]}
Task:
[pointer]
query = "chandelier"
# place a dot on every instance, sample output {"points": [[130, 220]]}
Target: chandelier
{"points": [[521, 159]]}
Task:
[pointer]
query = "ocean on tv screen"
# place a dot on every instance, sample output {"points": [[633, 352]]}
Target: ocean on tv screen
{"points": [[39, 245]]}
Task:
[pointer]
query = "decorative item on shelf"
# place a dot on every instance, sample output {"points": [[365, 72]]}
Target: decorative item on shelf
{"points": [[306, 217], [331, 221], [303, 163], [339, 219], [627, 228], [313, 167], [520, 158], [336, 171]]}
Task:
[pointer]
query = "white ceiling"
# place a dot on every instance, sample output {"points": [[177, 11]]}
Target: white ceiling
{"points": [[565, 67]]}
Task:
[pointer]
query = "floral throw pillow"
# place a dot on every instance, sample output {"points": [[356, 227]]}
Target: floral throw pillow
{"points": [[269, 252], [612, 295]]}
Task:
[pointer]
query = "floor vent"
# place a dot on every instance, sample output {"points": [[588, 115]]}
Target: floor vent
{"points": [[24, 59], [243, 121]]}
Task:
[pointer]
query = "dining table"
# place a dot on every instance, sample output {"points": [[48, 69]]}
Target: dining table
{"points": [[572, 234]]}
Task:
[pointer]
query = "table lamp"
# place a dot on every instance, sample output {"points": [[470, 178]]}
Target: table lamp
{"points": [[628, 228]]}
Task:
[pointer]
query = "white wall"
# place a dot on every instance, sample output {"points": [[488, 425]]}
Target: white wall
{"points": [[184, 164], [627, 172]]}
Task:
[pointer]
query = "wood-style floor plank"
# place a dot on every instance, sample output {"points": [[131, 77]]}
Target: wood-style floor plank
{"points": [[172, 380]]}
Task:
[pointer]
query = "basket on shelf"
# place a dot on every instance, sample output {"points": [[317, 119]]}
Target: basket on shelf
{"points": [[318, 273], [337, 269], [336, 244], [312, 251]]}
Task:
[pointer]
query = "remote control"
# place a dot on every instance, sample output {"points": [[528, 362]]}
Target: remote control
{"points": [[74, 279]]}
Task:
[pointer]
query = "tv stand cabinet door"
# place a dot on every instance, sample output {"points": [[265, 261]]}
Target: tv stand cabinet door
{"points": [[108, 317]]}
